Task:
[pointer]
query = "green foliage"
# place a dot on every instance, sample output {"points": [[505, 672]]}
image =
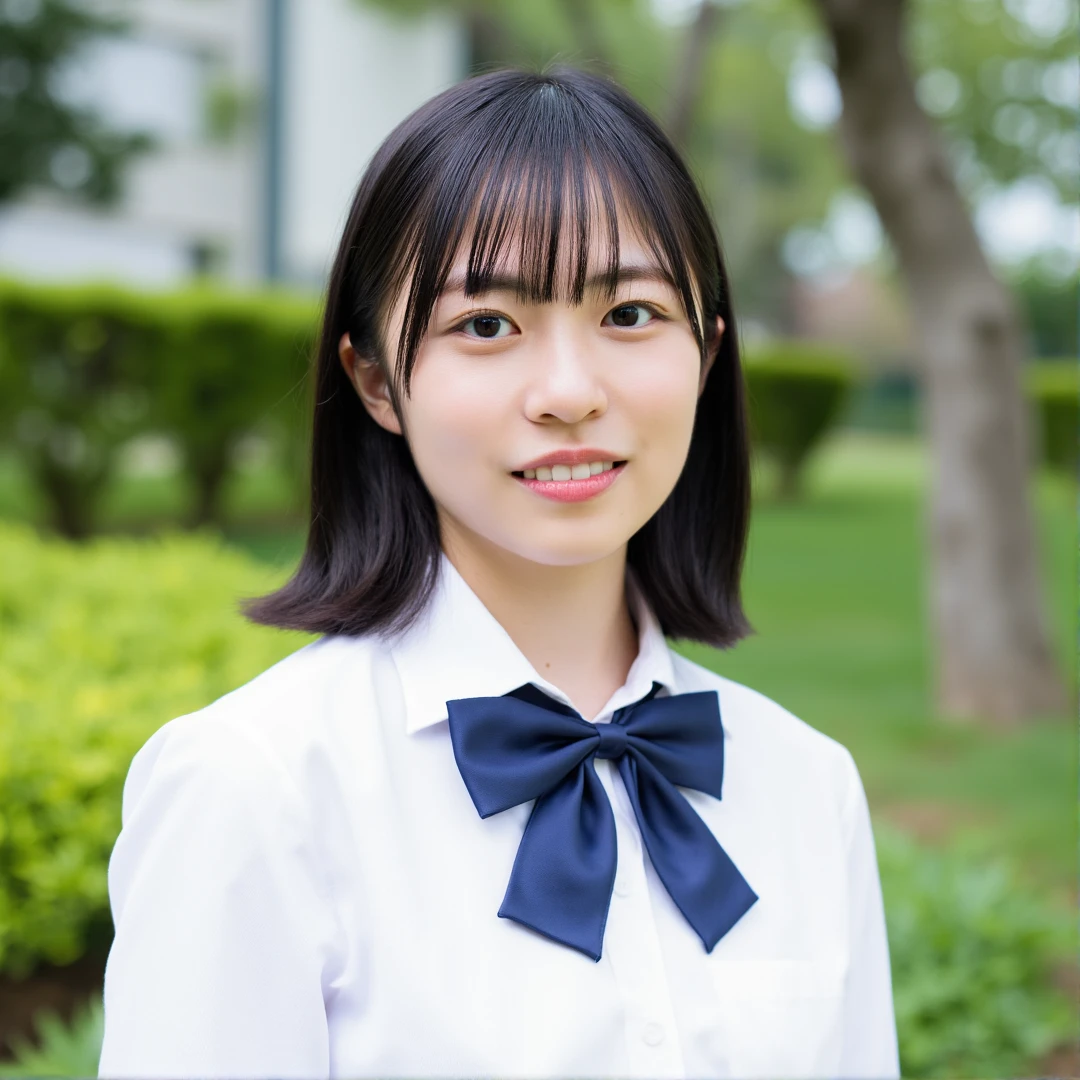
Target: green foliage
{"points": [[886, 401], [85, 368], [73, 387], [224, 361], [100, 644], [1000, 80], [229, 109], [1051, 305], [1054, 386], [61, 1049], [795, 392], [972, 960], [48, 141]]}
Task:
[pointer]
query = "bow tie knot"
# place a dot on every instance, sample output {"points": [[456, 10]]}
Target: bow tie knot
{"points": [[613, 741], [526, 745]]}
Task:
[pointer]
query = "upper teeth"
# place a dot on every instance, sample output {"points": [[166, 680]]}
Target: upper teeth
{"points": [[568, 472]]}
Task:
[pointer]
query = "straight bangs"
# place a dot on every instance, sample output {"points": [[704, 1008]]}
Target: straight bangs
{"points": [[535, 186]]}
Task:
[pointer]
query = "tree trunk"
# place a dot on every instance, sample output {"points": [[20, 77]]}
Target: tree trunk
{"points": [[72, 498], [788, 480], [992, 647], [208, 470], [691, 69]]}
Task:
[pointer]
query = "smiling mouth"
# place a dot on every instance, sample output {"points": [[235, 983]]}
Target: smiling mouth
{"points": [[546, 474]]}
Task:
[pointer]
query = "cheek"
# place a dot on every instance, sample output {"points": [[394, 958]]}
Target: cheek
{"points": [[456, 415], [661, 396]]}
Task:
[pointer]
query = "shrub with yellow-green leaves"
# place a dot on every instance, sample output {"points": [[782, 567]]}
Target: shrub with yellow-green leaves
{"points": [[100, 645]]}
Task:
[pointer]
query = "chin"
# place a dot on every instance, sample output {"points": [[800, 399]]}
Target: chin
{"points": [[570, 551]]}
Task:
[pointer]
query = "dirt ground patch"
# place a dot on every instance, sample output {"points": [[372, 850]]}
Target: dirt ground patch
{"points": [[59, 989]]}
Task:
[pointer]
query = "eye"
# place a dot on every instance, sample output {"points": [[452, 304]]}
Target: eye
{"points": [[630, 315], [486, 326]]}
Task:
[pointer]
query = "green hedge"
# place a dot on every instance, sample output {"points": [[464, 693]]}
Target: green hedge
{"points": [[796, 392], [85, 368], [100, 644], [74, 387], [1054, 387]]}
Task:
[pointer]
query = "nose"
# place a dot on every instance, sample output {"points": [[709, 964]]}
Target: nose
{"points": [[564, 381]]}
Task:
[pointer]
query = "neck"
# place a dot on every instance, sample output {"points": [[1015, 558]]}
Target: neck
{"points": [[572, 623]]}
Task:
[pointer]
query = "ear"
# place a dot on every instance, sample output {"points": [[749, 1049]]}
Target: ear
{"points": [[711, 357], [370, 383]]}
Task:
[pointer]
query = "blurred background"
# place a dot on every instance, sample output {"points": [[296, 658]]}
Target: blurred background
{"points": [[895, 186]]}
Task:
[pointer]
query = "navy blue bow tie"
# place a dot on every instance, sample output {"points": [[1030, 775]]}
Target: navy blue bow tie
{"points": [[526, 745]]}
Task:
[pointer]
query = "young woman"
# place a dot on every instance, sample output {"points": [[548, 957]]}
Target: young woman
{"points": [[490, 823]]}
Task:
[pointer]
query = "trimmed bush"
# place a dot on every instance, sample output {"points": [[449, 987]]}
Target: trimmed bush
{"points": [[74, 386], [101, 644], [230, 364], [796, 392], [85, 368], [973, 953], [1054, 388]]}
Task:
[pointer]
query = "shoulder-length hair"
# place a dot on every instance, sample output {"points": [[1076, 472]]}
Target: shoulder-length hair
{"points": [[515, 156]]}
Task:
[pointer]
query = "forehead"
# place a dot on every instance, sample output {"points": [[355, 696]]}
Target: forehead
{"points": [[605, 257]]}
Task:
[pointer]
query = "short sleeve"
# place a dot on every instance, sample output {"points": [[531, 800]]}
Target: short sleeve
{"points": [[223, 932], [870, 1046]]}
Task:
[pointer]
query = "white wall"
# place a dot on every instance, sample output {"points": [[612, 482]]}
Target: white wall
{"points": [[352, 73]]}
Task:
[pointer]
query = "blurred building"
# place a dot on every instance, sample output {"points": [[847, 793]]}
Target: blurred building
{"points": [[861, 310], [265, 113]]}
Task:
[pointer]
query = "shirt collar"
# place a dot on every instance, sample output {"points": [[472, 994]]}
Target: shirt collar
{"points": [[458, 649]]}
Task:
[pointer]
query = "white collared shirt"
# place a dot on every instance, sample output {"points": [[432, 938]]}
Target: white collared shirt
{"points": [[303, 888]]}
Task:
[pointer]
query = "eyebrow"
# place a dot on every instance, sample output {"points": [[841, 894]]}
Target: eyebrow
{"points": [[595, 282]]}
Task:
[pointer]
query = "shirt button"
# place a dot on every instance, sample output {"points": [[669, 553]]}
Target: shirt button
{"points": [[653, 1034], [623, 886]]}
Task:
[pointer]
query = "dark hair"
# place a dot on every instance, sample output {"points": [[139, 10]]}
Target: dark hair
{"points": [[511, 154]]}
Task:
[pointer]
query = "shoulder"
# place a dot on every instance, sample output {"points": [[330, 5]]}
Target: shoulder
{"points": [[768, 737], [295, 690], [264, 734]]}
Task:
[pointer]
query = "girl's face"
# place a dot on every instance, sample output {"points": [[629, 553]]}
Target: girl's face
{"points": [[499, 383]]}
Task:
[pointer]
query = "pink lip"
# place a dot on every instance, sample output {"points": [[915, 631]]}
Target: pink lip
{"points": [[573, 490], [571, 456]]}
